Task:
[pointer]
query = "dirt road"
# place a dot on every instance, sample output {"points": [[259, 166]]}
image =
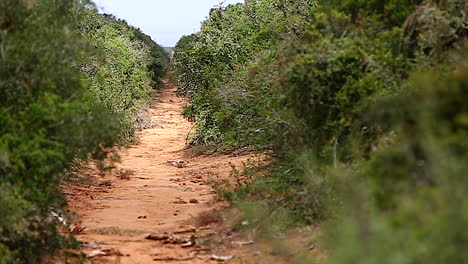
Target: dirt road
{"points": [[158, 191]]}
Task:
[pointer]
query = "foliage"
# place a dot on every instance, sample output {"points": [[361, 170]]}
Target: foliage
{"points": [[120, 77], [300, 78], [417, 187], [58, 102], [159, 59], [354, 141], [229, 39], [326, 87], [393, 12]]}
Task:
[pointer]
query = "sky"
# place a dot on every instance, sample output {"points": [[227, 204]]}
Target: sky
{"points": [[164, 20]]}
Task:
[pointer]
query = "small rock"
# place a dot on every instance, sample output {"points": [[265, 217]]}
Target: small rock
{"points": [[194, 201]]}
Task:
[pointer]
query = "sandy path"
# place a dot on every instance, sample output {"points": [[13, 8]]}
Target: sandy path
{"points": [[159, 196]]}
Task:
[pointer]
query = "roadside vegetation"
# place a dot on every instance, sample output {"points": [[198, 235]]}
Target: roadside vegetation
{"points": [[72, 85], [362, 105]]}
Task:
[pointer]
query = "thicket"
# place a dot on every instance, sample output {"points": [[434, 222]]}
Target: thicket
{"points": [[361, 104], [125, 71], [71, 83], [159, 59]]}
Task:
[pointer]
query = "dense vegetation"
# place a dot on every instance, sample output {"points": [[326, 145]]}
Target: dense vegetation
{"points": [[71, 85], [361, 104], [363, 107]]}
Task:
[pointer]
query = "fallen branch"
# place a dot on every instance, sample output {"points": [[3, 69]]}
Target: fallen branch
{"points": [[242, 243], [173, 258], [215, 257], [189, 230], [191, 257]]}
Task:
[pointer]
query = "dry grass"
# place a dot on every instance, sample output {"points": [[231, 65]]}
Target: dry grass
{"points": [[207, 218], [124, 174]]}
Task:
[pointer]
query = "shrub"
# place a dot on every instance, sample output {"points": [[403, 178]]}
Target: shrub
{"points": [[58, 103], [408, 203], [300, 80]]}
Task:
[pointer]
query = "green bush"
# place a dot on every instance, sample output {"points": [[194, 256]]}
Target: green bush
{"points": [[299, 78], [205, 64], [327, 80], [392, 12], [408, 202], [59, 102], [120, 76], [159, 59], [47, 119]]}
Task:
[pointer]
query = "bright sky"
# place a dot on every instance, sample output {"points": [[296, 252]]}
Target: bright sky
{"points": [[164, 20]]}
